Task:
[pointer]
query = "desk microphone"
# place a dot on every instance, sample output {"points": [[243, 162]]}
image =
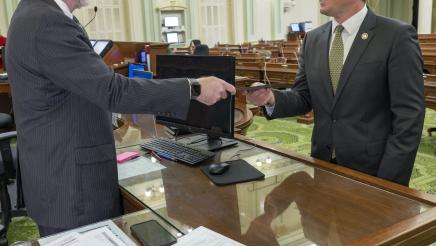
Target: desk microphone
{"points": [[95, 15]]}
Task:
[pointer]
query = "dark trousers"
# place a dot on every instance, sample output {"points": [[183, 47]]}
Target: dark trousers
{"points": [[47, 231]]}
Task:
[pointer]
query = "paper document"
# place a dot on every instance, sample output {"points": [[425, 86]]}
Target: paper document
{"points": [[202, 236], [98, 234], [97, 237], [136, 167]]}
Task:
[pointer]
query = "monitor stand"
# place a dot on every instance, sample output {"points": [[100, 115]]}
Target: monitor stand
{"points": [[213, 143]]}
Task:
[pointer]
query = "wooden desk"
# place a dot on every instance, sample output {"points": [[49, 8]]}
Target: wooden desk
{"points": [[307, 201], [124, 223], [4, 87], [5, 96]]}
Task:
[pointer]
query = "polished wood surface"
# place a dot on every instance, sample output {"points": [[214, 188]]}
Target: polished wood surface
{"points": [[130, 51], [4, 87], [302, 200], [5, 96], [430, 91]]}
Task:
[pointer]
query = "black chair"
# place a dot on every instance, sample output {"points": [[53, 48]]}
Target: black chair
{"points": [[5, 122], [194, 43], [9, 170], [201, 50]]}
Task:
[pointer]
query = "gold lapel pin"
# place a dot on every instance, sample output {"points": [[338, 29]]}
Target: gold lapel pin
{"points": [[365, 36]]}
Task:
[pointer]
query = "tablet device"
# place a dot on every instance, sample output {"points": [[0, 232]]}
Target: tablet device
{"points": [[151, 233]]}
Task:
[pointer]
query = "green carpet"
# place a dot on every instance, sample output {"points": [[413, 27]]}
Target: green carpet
{"points": [[22, 229], [287, 133]]}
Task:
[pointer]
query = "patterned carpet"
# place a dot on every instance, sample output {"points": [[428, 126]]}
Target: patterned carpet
{"points": [[287, 133]]}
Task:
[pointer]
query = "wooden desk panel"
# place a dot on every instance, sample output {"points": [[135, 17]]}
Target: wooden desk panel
{"points": [[301, 200], [4, 87]]}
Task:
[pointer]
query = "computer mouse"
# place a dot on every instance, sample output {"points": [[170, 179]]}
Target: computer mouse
{"points": [[218, 168]]}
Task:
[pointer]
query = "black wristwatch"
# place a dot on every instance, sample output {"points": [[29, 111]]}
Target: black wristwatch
{"points": [[195, 88]]}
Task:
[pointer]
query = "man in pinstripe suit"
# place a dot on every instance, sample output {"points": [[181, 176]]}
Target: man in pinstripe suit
{"points": [[63, 94]]}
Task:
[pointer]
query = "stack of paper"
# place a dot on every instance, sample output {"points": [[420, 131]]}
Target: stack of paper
{"points": [[97, 237], [202, 236], [99, 234]]}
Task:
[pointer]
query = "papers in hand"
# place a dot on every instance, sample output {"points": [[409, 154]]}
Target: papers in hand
{"points": [[203, 236]]}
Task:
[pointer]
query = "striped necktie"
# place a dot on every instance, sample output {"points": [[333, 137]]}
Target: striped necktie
{"points": [[336, 58]]}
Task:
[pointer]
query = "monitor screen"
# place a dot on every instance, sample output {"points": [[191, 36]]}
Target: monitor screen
{"points": [[295, 27], [134, 68], [172, 37], [216, 120], [308, 26], [101, 47], [171, 21], [143, 56], [92, 42]]}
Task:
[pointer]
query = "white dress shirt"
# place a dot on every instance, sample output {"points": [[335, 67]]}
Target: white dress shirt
{"points": [[351, 28], [64, 8]]}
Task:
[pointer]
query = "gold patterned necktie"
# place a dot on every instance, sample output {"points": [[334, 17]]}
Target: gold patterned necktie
{"points": [[336, 58]]}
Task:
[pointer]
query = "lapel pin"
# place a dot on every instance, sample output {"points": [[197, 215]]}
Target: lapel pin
{"points": [[365, 36]]}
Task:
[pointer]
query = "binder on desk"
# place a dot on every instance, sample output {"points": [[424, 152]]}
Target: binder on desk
{"points": [[240, 171]]}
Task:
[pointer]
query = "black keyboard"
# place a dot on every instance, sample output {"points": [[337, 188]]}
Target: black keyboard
{"points": [[172, 150]]}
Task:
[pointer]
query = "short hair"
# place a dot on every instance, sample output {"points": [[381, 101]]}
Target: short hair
{"points": [[201, 50], [195, 42]]}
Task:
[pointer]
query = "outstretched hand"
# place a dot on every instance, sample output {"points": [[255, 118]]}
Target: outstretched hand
{"points": [[213, 90], [261, 97]]}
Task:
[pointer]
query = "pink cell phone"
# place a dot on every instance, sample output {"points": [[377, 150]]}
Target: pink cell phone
{"points": [[123, 157]]}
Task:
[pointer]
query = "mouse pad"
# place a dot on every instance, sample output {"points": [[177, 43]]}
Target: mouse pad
{"points": [[239, 171]]}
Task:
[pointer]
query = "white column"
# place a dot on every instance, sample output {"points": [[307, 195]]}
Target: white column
{"points": [[238, 16], [425, 16]]}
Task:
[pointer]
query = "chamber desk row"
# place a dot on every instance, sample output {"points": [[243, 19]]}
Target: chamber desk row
{"points": [[301, 201]]}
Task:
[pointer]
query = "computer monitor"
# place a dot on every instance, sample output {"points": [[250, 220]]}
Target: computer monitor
{"points": [[217, 121], [172, 37], [101, 47], [135, 67], [295, 27], [139, 71], [308, 26], [171, 21]]}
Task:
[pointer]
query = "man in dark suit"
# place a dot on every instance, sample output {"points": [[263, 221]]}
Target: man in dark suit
{"points": [[361, 74], [63, 94]]}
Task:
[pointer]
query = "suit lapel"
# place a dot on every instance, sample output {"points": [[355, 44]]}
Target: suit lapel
{"points": [[357, 49], [324, 57]]}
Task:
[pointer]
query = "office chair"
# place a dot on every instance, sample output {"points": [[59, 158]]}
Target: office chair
{"points": [[194, 43], [9, 169], [201, 50]]}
